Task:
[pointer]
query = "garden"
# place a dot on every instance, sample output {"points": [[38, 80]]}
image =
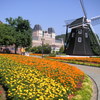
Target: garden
{"points": [[31, 78], [91, 61]]}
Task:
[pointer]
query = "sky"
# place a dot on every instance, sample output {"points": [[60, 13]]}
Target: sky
{"points": [[49, 13]]}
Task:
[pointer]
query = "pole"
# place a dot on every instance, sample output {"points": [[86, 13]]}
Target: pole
{"points": [[42, 39], [42, 48]]}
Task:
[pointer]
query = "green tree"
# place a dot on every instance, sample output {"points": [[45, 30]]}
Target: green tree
{"points": [[62, 36], [61, 49], [23, 31], [35, 49], [46, 49], [7, 35]]}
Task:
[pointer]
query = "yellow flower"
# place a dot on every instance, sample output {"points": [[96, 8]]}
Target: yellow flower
{"points": [[30, 93]]}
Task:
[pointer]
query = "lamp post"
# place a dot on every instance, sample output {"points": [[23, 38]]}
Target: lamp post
{"points": [[42, 39]]}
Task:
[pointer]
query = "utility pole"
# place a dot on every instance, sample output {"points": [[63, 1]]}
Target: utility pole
{"points": [[42, 39]]}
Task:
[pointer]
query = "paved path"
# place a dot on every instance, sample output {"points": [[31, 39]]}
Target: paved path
{"points": [[35, 56], [93, 72]]}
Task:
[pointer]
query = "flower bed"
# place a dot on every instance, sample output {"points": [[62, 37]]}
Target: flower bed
{"points": [[92, 61], [30, 78]]}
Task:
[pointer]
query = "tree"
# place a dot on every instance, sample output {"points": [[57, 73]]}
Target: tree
{"points": [[35, 49], [62, 36], [23, 31], [19, 23], [6, 35], [98, 37], [0, 22], [46, 49], [61, 49]]}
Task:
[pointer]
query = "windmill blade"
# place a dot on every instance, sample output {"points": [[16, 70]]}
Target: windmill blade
{"points": [[66, 39], [68, 22], [83, 8], [95, 20], [96, 39]]}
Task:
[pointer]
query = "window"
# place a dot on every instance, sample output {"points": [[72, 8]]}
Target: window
{"points": [[79, 39], [79, 31], [86, 35]]}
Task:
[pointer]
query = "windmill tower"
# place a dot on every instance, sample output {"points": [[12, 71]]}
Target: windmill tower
{"points": [[82, 40]]}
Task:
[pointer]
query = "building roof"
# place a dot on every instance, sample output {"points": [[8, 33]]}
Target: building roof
{"points": [[78, 22], [37, 27], [51, 30]]}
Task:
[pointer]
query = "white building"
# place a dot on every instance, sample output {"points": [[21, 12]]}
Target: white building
{"points": [[48, 37]]}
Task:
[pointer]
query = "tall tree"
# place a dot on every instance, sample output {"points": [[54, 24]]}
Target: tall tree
{"points": [[61, 36], [6, 35], [23, 31], [11, 21]]}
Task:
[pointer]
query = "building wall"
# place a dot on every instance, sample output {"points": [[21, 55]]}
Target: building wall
{"points": [[49, 38]]}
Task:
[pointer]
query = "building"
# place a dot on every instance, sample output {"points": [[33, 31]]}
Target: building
{"points": [[40, 37]]}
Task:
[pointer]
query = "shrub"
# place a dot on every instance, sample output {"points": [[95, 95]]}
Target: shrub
{"points": [[52, 54], [46, 49]]}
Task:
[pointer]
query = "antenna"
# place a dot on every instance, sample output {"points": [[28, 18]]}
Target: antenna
{"points": [[82, 5]]}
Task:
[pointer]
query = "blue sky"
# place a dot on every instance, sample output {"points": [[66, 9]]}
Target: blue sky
{"points": [[49, 13]]}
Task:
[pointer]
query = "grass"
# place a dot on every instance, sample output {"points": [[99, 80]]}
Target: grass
{"points": [[78, 62], [82, 63]]}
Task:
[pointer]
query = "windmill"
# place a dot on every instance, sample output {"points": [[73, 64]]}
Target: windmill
{"points": [[82, 40]]}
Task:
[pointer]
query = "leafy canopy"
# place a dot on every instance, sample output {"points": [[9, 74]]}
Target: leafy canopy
{"points": [[7, 35], [23, 31]]}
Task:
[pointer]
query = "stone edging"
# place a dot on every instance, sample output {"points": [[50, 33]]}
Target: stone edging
{"points": [[95, 89], [4, 92]]}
